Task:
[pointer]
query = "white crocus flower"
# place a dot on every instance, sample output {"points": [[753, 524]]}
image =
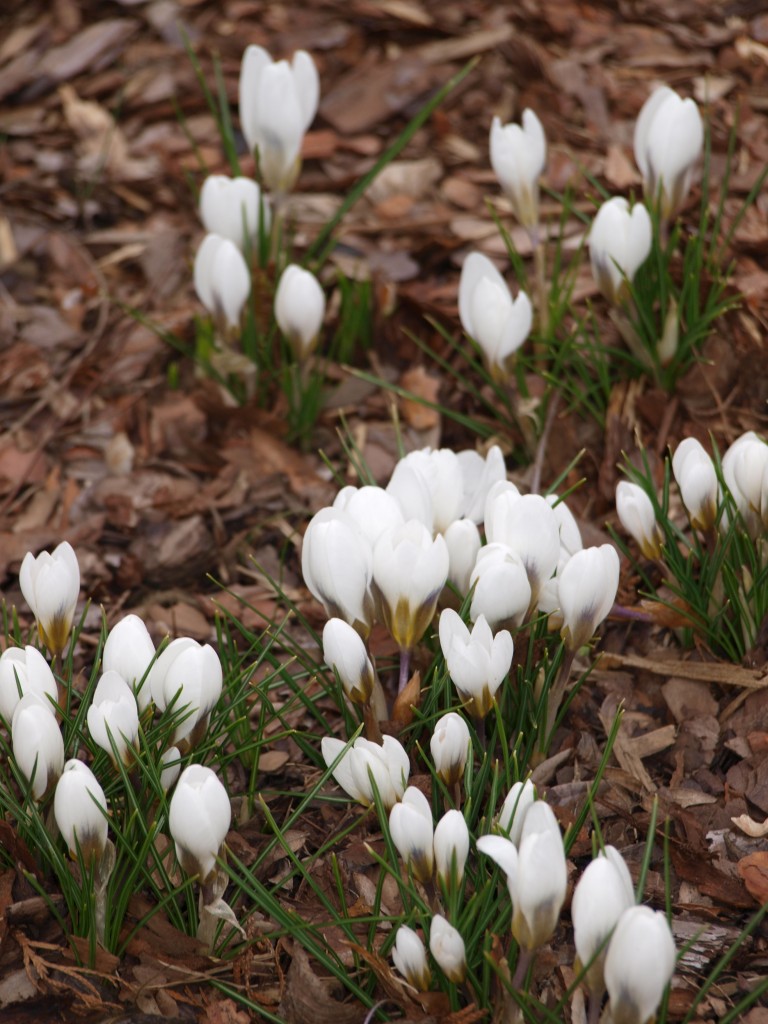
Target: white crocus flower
{"points": [[450, 746], [233, 208], [518, 158], [447, 947], [372, 510], [386, 762], [601, 896], [440, 471], [80, 809], [300, 309], [639, 965], [24, 670], [669, 137], [411, 828], [502, 593], [637, 516], [187, 678], [479, 474], [198, 820], [619, 243], [527, 526], [337, 565], [50, 584], [696, 477], [38, 747], [410, 958], [512, 814], [222, 280], [129, 651], [490, 316], [409, 571], [113, 717], [477, 661], [586, 590], [463, 541], [345, 653], [278, 102], [451, 846]]}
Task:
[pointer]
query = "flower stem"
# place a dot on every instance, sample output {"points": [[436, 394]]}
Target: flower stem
{"points": [[555, 696], [405, 669]]}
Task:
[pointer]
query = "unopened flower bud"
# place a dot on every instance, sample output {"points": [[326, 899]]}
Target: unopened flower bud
{"points": [[518, 157], [50, 584], [198, 819], [80, 809], [411, 829], [639, 965], [637, 515], [447, 947], [410, 958], [451, 845], [299, 309], [450, 746], [345, 653]]}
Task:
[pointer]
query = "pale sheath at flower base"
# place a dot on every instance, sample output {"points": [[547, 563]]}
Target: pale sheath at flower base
{"points": [[233, 208], [447, 947], [490, 316], [619, 244], [38, 747], [410, 958], [411, 828], [637, 516], [639, 965], [222, 281], [80, 809], [366, 763], [518, 158], [299, 309], [50, 584], [198, 819], [669, 137], [24, 670], [278, 102], [477, 661]]}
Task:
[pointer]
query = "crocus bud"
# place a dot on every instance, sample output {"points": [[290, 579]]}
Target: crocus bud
{"points": [[451, 846], [170, 766], [232, 208], [747, 476], [463, 541], [637, 516], [410, 958], [479, 474], [669, 137], [440, 470], [336, 562], [38, 747], [409, 571], [529, 527], [299, 309], [129, 651], [24, 670], [386, 763], [187, 678], [278, 102], [345, 653], [670, 334], [586, 590], [639, 965], [411, 828], [502, 592], [50, 584], [512, 815], [222, 280], [601, 896], [518, 157], [80, 809], [450, 746], [113, 717], [410, 489], [536, 874], [198, 820], [490, 316], [447, 947], [619, 243], [696, 477], [477, 661]]}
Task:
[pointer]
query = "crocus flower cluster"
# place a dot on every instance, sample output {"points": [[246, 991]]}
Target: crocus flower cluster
{"points": [[182, 682], [278, 101]]}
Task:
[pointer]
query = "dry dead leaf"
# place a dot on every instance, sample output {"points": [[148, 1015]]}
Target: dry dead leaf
{"points": [[754, 870], [750, 826]]}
